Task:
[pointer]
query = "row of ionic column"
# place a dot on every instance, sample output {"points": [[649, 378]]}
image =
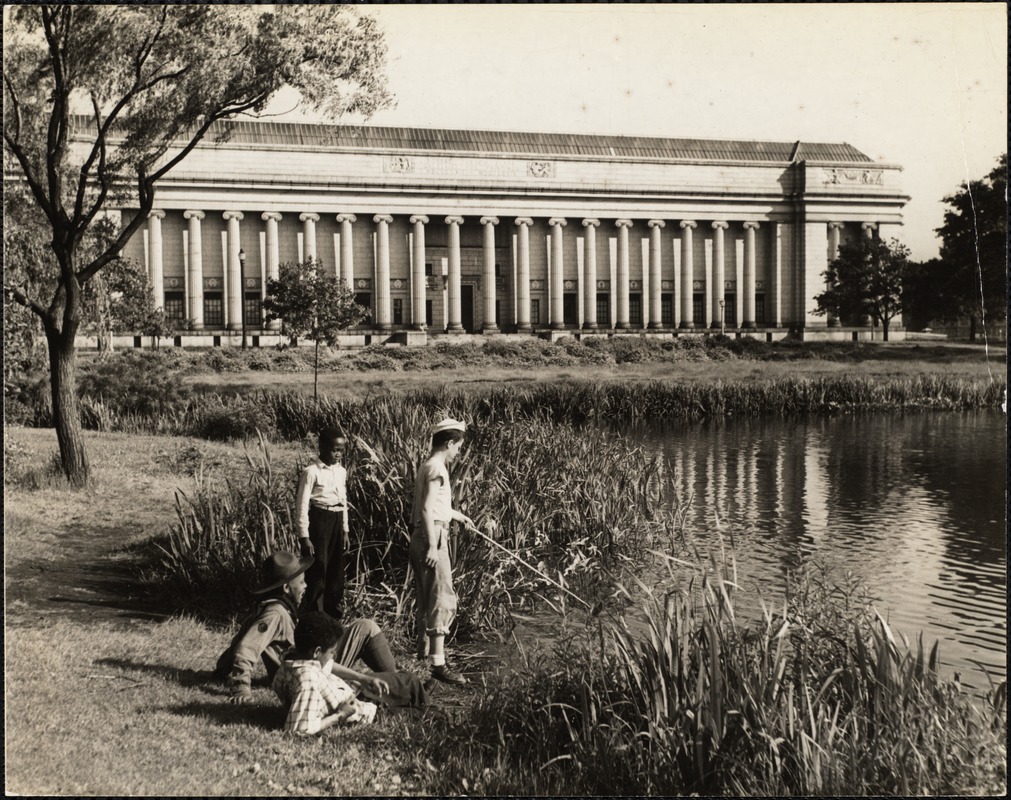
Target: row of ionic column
{"points": [[233, 277]]}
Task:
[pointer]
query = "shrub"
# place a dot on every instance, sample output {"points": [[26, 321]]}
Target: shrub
{"points": [[222, 419], [132, 382]]}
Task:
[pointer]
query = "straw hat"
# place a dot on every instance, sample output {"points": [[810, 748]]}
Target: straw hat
{"points": [[449, 424], [279, 568]]}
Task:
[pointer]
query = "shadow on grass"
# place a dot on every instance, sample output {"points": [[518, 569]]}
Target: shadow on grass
{"points": [[268, 717], [184, 677]]}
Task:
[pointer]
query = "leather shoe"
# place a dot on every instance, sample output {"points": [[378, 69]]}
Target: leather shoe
{"points": [[446, 675]]}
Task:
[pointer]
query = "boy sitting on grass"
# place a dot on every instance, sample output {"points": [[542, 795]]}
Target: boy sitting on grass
{"points": [[270, 633], [315, 698]]}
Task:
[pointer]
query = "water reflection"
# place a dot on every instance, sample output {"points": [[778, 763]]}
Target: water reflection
{"points": [[912, 504]]}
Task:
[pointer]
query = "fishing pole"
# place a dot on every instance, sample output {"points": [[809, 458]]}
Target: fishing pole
{"points": [[526, 564]]}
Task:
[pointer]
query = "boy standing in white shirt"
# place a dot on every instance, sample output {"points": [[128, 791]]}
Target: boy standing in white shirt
{"points": [[322, 506], [431, 515]]}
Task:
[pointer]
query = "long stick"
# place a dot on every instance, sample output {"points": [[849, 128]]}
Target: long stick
{"points": [[529, 566]]}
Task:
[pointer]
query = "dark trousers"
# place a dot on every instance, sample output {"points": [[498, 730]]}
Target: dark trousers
{"points": [[325, 578]]}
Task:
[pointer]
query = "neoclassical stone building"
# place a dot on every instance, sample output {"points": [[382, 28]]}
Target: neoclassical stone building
{"points": [[444, 232]]}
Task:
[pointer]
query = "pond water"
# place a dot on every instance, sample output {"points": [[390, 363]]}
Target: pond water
{"points": [[913, 504]]}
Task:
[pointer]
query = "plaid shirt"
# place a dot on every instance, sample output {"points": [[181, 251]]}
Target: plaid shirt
{"points": [[311, 692]]}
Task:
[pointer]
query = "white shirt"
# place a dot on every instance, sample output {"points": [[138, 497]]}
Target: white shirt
{"points": [[324, 487]]}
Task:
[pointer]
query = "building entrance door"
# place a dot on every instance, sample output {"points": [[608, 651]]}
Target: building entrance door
{"points": [[467, 307]]}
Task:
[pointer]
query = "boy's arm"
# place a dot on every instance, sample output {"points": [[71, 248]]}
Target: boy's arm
{"points": [[344, 496], [258, 636], [302, 495], [380, 687]]}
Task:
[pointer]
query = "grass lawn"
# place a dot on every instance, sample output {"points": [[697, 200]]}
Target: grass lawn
{"points": [[892, 360], [104, 696]]}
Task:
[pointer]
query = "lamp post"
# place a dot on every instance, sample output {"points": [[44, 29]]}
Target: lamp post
{"points": [[242, 292], [722, 331]]}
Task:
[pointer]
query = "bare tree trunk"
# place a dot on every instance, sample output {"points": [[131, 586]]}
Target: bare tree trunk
{"points": [[66, 408], [104, 314], [315, 376], [884, 329]]}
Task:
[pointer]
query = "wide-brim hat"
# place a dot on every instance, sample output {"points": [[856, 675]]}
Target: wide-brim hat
{"points": [[279, 568], [449, 424]]}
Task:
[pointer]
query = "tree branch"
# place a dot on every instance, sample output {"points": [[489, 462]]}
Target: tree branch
{"points": [[24, 300], [15, 104]]}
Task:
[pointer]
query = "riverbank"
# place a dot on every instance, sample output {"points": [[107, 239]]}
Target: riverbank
{"points": [[569, 721]]}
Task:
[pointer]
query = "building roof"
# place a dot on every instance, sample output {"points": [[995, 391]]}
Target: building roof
{"points": [[256, 132]]}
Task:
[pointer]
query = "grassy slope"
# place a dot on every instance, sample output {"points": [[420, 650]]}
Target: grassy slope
{"points": [[95, 706], [97, 702], [891, 361]]}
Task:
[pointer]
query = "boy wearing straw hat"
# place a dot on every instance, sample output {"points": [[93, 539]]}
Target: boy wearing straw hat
{"points": [[270, 633], [431, 514]]}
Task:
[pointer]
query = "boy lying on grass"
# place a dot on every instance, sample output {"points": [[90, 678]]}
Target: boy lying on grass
{"points": [[314, 697], [270, 632]]}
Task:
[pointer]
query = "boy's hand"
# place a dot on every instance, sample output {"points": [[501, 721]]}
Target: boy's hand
{"points": [[379, 687], [306, 548], [432, 556], [347, 540]]}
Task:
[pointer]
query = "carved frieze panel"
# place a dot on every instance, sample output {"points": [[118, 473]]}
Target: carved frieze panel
{"points": [[541, 169], [666, 285], [399, 165], [844, 175], [698, 286], [363, 283]]}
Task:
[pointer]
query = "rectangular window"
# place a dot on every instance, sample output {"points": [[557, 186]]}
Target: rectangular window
{"points": [[604, 310], [254, 311], [428, 270], [730, 310], [570, 309], [364, 299], [428, 313], [635, 310], [214, 310], [398, 312], [175, 306], [698, 303], [535, 312], [667, 309], [760, 309]]}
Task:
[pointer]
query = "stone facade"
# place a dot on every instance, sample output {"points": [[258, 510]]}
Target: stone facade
{"points": [[456, 232]]}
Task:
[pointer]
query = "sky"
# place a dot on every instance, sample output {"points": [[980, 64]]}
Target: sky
{"points": [[922, 85]]}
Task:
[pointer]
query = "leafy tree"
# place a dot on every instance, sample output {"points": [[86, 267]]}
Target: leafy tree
{"points": [[102, 101], [120, 299], [925, 292], [974, 250], [313, 303], [866, 279]]}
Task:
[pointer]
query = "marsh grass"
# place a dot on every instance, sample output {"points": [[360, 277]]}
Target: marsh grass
{"points": [[574, 502], [689, 699]]}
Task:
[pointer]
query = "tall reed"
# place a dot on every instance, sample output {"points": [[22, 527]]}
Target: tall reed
{"points": [[574, 502], [690, 699]]}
